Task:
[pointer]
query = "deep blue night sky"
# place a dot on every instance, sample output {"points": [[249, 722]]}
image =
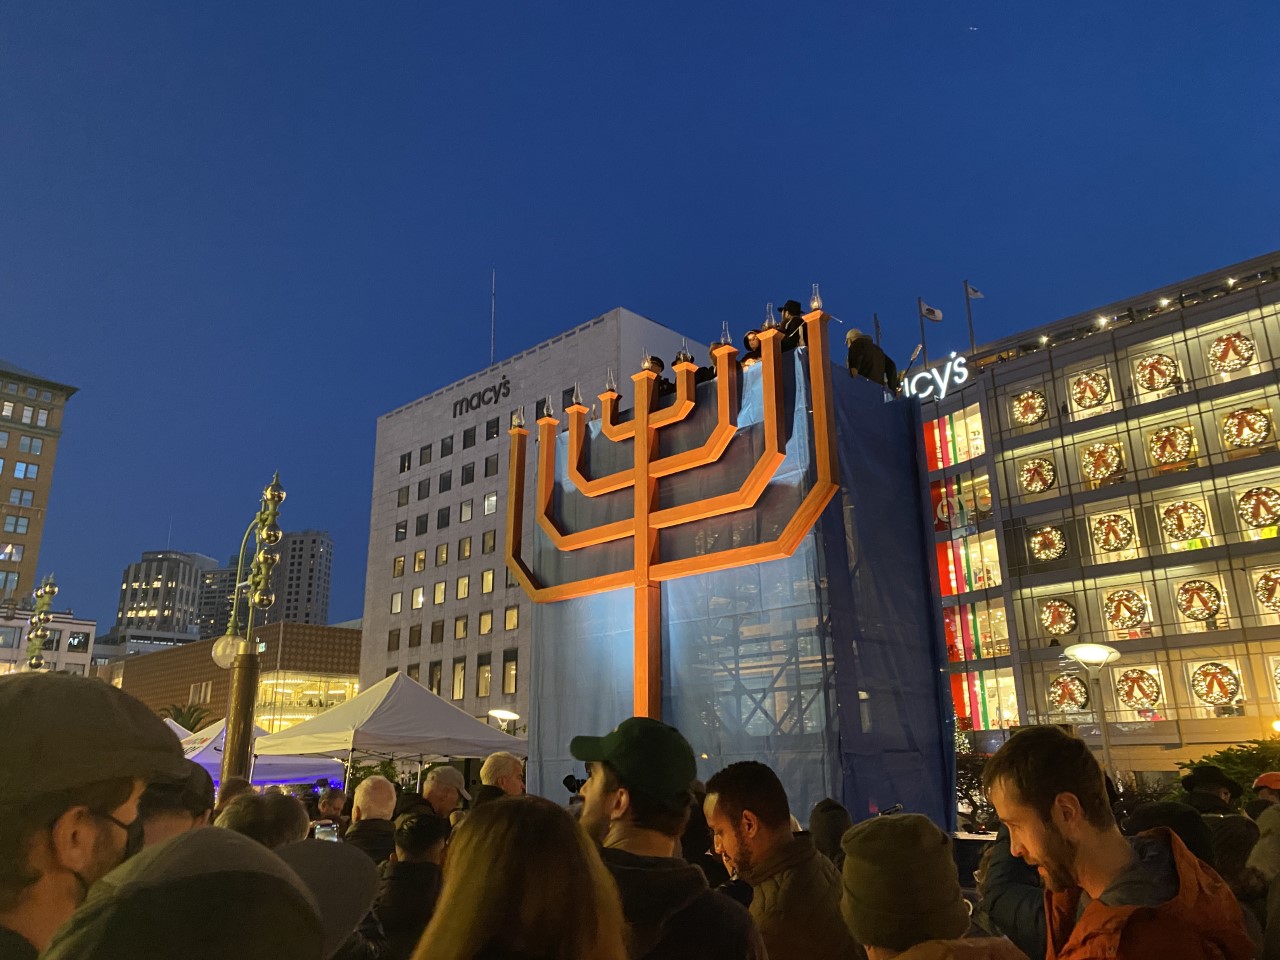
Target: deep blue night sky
{"points": [[245, 230]]}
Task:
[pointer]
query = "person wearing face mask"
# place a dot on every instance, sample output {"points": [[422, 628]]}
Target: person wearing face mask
{"points": [[76, 756]]}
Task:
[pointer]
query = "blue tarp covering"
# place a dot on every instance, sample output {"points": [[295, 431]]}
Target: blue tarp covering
{"points": [[826, 665]]}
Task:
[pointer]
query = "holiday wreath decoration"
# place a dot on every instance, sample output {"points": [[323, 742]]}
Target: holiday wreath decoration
{"points": [[1125, 609], [1246, 427], [1171, 445], [1048, 543], [1156, 371], [1198, 600], [1090, 389], [1030, 406], [1069, 693], [1101, 461], [1112, 532], [1231, 352], [1037, 475], [1259, 507], [1183, 520], [1138, 689], [1058, 617], [1215, 683]]}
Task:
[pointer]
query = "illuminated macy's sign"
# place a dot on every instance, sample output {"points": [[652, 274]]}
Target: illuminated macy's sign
{"points": [[937, 381]]}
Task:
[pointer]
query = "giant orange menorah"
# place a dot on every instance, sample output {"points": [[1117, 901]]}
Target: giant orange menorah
{"points": [[648, 569]]}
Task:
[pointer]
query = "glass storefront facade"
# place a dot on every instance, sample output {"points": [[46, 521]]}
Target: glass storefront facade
{"points": [[287, 697], [1116, 479]]}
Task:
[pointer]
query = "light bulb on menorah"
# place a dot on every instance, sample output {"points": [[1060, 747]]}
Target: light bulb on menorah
{"points": [[649, 468]]}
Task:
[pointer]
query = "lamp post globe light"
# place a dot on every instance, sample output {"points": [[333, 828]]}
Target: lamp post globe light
{"points": [[38, 623], [504, 718], [237, 650], [1093, 657]]}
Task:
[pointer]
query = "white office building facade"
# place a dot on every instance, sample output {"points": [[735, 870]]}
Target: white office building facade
{"points": [[439, 603]]}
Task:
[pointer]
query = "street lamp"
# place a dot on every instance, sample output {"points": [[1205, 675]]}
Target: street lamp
{"points": [[38, 623], [504, 717], [237, 649], [1093, 657]]}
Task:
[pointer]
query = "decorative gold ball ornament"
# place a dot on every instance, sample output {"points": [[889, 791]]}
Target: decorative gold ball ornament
{"points": [[1198, 600], [1267, 590], [1259, 507], [1101, 461], [1058, 617], [1246, 427], [1231, 351], [1183, 520], [1171, 444], [1068, 693], [1156, 371], [1125, 609], [1138, 689], [1091, 389], [1048, 543], [1215, 683], [1112, 532], [1037, 474], [1030, 406]]}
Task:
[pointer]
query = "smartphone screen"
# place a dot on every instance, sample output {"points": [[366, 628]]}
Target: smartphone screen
{"points": [[326, 831]]}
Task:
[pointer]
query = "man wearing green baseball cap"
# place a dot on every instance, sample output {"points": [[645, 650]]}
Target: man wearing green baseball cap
{"points": [[636, 803], [75, 757]]}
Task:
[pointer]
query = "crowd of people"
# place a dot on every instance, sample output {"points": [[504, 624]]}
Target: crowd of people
{"points": [[112, 845]]}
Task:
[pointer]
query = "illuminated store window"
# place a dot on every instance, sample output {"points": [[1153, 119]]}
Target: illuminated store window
{"points": [[969, 563], [976, 630], [985, 699], [1139, 693], [1217, 687], [286, 698], [954, 438]]}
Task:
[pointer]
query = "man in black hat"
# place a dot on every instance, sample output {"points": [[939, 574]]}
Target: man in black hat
{"points": [[792, 324], [171, 807], [75, 757], [1210, 790], [636, 803]]}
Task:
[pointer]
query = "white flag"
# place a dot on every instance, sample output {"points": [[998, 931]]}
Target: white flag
{"points": [[974, 293], [930, 313]]}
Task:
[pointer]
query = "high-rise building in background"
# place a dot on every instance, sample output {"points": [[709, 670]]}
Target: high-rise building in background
{"points": [[300, 580], [159, 603], [1114, 477], [30, 427], [216, 589], [439, 602]]}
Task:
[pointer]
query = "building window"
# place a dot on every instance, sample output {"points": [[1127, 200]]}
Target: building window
{"points": [[486, 622], [17, 524], [468, 473], [397, 600], [540, 409], [420, 524], [491, 465], [402, 530], [4, 438], [406, 462], [486, 581], [437, 631], [460, 627], [27, 414], [11, 552], [442, 518], [484, 674], [402, 497], [25, 471], [509, 660], [397, 567], [459, 677], [511, 578], [424, 455], [42, 418], [412, 672], [424, 488], [433, 677], [393, 639], [464, 510], [78, 642], [446, 446], [419, 561], [437, 593], [489, 542], [418, 597], [512, 618], [468, 438], [391, 671], [491, 428], [464, 548], [442, 554], [28, 444], [201, 692], [415, 635], [464, 587], [490, 504], [446, 482]]}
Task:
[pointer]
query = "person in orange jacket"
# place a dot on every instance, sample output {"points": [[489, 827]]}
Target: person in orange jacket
{"points": [[1106, 895]]}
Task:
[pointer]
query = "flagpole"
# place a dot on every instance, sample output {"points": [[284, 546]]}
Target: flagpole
{"points": [[875, 318], [968, 309], [923, 343]]}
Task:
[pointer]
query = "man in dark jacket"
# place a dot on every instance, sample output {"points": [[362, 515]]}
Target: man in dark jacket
{"points": [[636, 803], [371, 828], [795, 897], [1210, 790], [409, 882]]}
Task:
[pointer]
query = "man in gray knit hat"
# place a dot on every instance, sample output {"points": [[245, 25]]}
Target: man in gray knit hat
{"points": [[902, 894]]}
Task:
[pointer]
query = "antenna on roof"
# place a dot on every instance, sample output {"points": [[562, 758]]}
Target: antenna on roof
{"points": [[493, 309]]}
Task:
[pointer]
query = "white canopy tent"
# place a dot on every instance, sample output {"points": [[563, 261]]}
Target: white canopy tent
{"points": [[205, 748], [397, 718], [181, 731]]}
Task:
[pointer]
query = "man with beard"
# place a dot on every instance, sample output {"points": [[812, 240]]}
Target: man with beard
{"points": [[76, 755], [795, 890], [636, 803], [1107, 895]]}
